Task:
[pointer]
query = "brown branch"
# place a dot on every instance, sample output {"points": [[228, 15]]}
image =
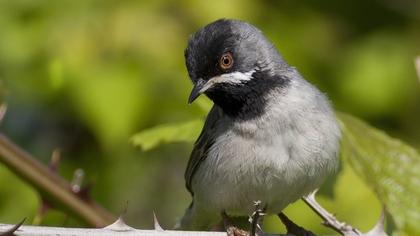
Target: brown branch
{"points": [[50, 185]]}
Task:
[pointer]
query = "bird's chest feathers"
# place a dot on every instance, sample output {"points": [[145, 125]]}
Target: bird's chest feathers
{"points": [[258, 160], [248, 156], [259, 143]]}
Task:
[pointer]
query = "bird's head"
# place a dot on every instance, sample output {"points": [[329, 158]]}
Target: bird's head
{"points": [[230, 60]]}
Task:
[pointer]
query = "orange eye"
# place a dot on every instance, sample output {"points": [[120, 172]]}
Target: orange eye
{"points": [[226, 61]]}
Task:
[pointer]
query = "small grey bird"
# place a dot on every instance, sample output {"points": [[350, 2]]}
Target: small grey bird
{"points": [[271, 136]]}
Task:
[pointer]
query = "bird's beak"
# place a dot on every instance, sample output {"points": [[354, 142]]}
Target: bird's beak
{"points": [[203, 85], [199, 88]]}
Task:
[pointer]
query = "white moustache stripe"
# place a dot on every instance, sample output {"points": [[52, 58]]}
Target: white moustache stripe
{"points": [[230, 78], [236, 77]]}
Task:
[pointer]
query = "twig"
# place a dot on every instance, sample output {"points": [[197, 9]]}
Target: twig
{"points": [[329, 219], [44, 205], [50, 185]]}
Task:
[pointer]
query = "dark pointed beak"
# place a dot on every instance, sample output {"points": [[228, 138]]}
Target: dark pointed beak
{"points": [[196, 91]]}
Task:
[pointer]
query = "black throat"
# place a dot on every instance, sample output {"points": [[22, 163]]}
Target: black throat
{"points": [[247, 100]]}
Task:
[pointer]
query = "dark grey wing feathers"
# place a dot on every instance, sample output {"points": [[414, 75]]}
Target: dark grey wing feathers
{"points": [[202, 146]]}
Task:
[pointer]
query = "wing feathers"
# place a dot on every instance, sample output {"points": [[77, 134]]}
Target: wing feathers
{"points": [[201, 146]]}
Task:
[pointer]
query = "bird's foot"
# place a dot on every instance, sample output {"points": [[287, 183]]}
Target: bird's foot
{"points": [[293, 228], [256, 219], [232, 230]]}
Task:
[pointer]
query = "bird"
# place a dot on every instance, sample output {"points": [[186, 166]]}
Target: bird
{"points": [[271, 136]]}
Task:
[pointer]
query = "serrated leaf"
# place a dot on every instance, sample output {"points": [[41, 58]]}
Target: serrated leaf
{"points": [[389, 166], [167, 133]]}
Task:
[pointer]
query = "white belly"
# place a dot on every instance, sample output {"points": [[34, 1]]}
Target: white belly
{"points": [[244, 170]]}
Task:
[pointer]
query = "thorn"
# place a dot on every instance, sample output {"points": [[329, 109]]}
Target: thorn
{"points": [[11, 231], [55, 160], [119, 225], [156, 223], [76, 183], [3, 110]]}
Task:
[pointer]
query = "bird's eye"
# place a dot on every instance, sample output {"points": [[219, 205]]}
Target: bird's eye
{"points": [[226, 61]]}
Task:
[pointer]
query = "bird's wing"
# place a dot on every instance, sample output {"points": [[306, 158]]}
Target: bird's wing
{"points": [[202, 146]]}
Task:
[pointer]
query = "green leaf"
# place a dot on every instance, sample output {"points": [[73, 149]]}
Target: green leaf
{"points": [[389, 166], [168, 133]]}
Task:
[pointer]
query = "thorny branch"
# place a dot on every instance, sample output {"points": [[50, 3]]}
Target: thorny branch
{"points": [[52, 187], [119, 227]]}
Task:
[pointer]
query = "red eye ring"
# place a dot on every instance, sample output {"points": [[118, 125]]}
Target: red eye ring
{"points": [[226, 61]]}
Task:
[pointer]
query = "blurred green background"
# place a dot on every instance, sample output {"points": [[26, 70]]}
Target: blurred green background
{"points": [[84, 76]]}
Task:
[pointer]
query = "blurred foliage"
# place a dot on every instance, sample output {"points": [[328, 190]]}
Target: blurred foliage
{"points": [[85, 76], [389, 166], [168, 133]]}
